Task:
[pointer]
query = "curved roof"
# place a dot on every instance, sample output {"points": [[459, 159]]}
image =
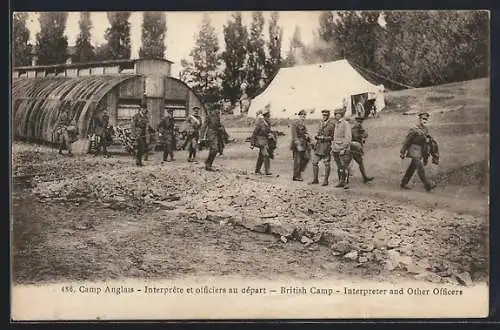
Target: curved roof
{"points": [[37, 103]]}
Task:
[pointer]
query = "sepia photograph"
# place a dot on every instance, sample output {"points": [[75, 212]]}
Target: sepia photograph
{"points": [[250, 165]]}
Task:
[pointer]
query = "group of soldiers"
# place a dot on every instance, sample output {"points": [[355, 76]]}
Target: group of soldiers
{"points": [[345, 142], [209, 134], [335, 137]]}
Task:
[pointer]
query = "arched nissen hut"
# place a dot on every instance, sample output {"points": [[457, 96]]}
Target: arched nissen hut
{"points": [[40, 93]]}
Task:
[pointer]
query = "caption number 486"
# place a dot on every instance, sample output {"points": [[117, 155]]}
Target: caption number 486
{"points": [[67, 289]]}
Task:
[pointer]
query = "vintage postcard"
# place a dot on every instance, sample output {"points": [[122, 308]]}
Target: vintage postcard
{"points": [[250, 165]]}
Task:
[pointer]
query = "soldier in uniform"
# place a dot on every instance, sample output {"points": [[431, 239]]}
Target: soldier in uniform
{"points": [[264, 139], [300, 146], [413, 146], [341, 148], [62, 136], [211, 134], [101, 128], [193, 123], [140, 131], [323, 147], [166, 129], [359, 136]]}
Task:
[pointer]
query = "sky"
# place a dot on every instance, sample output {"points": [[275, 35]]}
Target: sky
{"points": [[182, 28]]}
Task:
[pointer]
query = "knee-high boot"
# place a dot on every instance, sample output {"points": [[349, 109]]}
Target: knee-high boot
{"points": [[327, 175], [315, 174], [258, 165], [340, 174], [267, 165]]}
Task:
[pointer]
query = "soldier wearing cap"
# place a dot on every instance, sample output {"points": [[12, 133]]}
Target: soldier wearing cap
{"points": [[323, 147], [413, 147], [140, 131], [166, 130], [102, 133], [61, 130], [193, 123], [341, 148], [300, 146], [211, 136], [264, 139], [359, 136]]}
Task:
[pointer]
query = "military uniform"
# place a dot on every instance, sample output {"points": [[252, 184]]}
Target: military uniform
{"points": [[300, 146], [210, 133], [166, 128], [323, 148], [342, 138], [62, 136], [414, 145], [223, 138], [264, 138], [193, 123], [140, 131], [359, 136], [101, 129]]}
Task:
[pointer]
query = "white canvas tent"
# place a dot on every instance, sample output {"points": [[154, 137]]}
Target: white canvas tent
{"points": [[315, 87]]}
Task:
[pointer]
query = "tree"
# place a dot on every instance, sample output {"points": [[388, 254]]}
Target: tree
{"points": [[202, 72], [21, 54], [154, 30], [234, 56], [357, 37], [256, 55], [273, 63], [324, 47], [117, 36], [52, 44], [84, 51], [297, 52]]}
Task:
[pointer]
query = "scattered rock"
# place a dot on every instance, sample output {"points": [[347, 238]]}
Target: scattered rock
{"points": [[317, 237], [164, 205], [367, 247], [281, 228], [353, 255], [434, 278], [390, 265], [342, 247], [82, 226], [464, 278], [306, 240], [269, 215], [393, 243], [363, 259]]}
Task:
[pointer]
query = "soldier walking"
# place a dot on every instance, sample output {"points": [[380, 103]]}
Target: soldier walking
{"points": [[140, 130], [166, 129], [415, 143], [300, 146], [102, 134], [264, 139], [323, 147], [211, 135], [341, 148], [194, 123], [359, 136]]}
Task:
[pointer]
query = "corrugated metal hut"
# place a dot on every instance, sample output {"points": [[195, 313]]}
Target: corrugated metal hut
{"points": [[41, 93]]}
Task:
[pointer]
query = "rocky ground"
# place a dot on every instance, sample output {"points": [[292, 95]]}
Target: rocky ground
{"points": [[96, 218]]}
